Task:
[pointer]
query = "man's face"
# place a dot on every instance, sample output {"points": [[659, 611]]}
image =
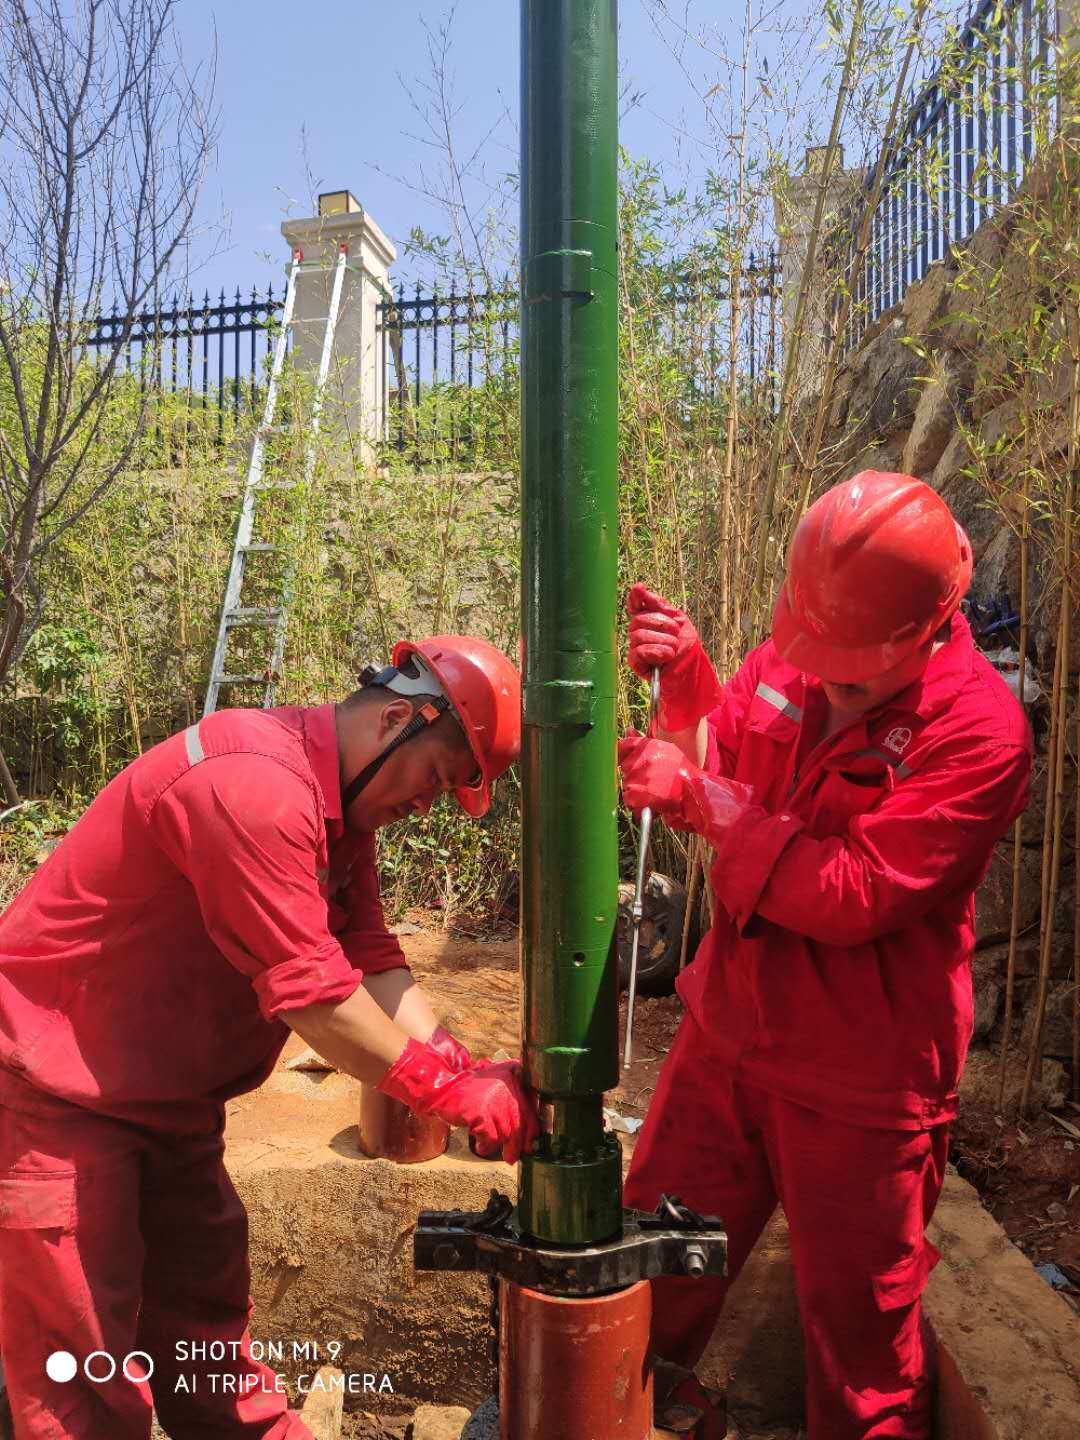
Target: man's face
{"points": [[425, 767], [867, 695]]}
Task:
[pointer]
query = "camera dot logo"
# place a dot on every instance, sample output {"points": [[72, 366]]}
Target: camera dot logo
{"points": [[99, 1367], [61, 1366]]}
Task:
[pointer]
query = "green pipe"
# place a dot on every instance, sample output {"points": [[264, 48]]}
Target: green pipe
{"points": [[571, 1190]]}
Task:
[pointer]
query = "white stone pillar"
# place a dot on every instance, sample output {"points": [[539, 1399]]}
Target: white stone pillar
{"points": [[356, 386], [793, 213], [1069, 28]]}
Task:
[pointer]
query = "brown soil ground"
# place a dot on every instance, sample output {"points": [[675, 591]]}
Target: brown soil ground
{"points": [[372, 1427], [359, 1427], [1028, 1175]]}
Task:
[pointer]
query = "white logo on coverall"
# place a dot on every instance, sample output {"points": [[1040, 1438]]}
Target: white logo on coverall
{"points": [[898, 739]]}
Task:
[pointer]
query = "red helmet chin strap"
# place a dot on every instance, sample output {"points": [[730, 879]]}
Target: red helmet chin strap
{"points": [[425, 716]]}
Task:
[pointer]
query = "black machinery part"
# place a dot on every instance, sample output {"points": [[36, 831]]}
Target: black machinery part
{"points": [[673, 1240]]}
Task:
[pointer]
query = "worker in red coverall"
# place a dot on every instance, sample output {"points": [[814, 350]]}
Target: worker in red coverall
{"points": [[220, 893], [851, 781]]}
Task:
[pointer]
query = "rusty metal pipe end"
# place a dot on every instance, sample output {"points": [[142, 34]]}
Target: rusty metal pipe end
{"points": [[574, 1368], [389, 1130]]}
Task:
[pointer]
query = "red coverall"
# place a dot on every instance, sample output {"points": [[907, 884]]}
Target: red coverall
{"points": [[829, 1013], [211, 885]]}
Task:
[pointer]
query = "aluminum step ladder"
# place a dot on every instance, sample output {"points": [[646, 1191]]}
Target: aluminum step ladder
{"points": [[273, 619]]}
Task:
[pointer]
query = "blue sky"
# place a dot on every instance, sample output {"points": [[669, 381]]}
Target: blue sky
{"points": [[342, 77]]}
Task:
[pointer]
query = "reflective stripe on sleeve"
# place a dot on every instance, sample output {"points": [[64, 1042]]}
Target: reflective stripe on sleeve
{"points": [[902, 770], [781, 702], [193, 744]]}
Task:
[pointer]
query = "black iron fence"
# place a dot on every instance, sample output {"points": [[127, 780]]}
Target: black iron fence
{"points": [[968, 143], [448, 362], [446, 383], [447, 379], [698, 330], [216, 355]]}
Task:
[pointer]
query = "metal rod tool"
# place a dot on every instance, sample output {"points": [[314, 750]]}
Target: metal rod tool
{"points": [[639, 885]]}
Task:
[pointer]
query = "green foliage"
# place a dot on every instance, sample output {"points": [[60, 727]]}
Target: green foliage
{"points": [[447, 861], [130, 591], [1018, 326], [60, 661], [375, 549], [26, 834]]}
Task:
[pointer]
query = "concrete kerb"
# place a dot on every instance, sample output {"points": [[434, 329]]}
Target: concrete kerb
{"points": [[1008, 1346]]}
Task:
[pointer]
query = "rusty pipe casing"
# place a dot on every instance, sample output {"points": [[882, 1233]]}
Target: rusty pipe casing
{"points": [[389, 1130], [575, 1369]]}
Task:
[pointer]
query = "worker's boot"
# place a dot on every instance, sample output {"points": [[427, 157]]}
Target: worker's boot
{"points": [[683, 1407]]}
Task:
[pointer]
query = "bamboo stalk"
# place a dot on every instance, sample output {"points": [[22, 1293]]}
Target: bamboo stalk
{"points": [[858, 259], [793, 346], [100, 703], [729, 575], [1055, 807], [735, 281], [710, 893], [1018, 827], [181, 560], [124, 640], [1048, 805], [1076, 918], [697, 861], [1073, 331]]}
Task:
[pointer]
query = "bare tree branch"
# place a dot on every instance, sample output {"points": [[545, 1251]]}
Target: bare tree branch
{"points": [[105, 138]]}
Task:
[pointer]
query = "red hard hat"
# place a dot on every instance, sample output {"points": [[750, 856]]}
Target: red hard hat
{"points": [[484, 689], [876, 566]]}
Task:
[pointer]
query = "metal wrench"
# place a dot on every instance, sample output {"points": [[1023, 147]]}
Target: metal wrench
{"points": [[639, 884]]}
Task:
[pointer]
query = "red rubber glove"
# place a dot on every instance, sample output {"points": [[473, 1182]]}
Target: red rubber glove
{"points": [[661, 635], [451, 1050], [658, 774], [491, 1100], [654, 773]]}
